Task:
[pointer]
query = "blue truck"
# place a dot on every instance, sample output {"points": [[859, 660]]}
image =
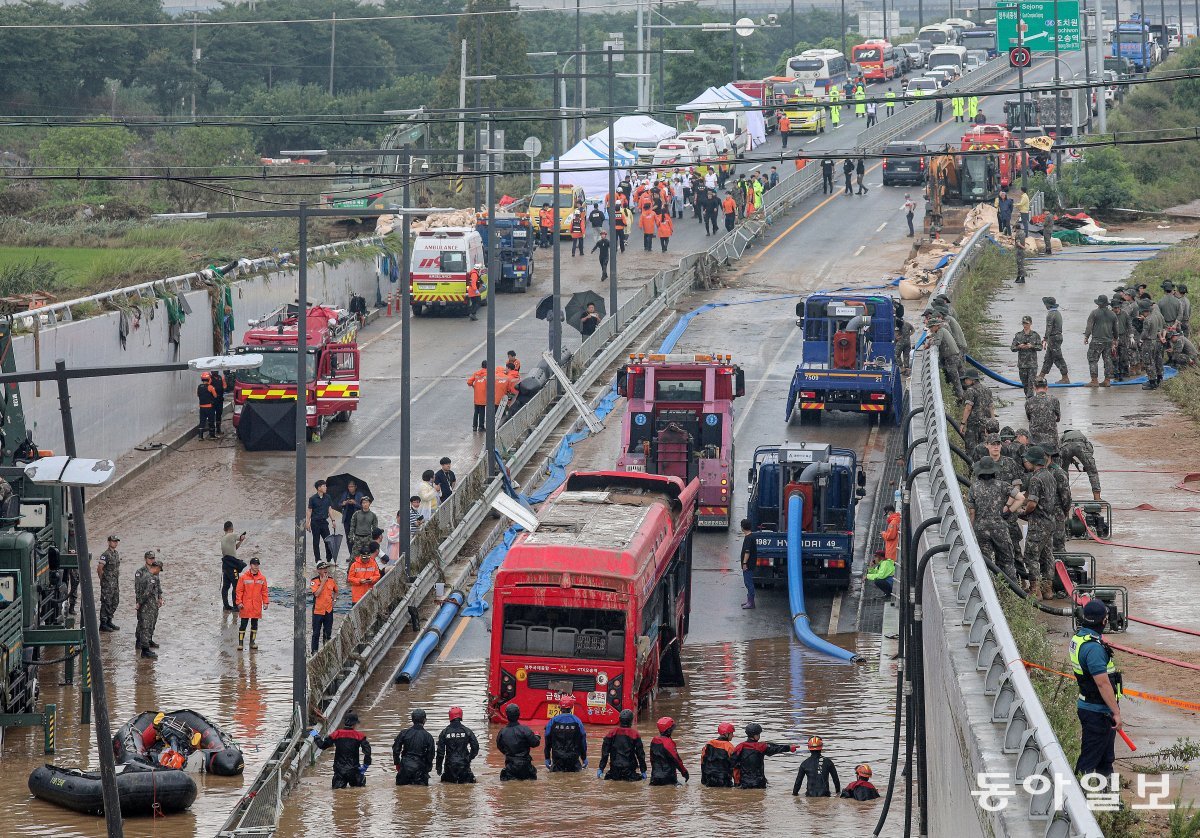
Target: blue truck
{"points": [[830, 484], [849, 358], [515, 238], [1133, 41]]}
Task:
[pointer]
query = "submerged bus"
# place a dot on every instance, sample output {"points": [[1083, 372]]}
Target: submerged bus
{"points": [[595, 603], [819, 69]]}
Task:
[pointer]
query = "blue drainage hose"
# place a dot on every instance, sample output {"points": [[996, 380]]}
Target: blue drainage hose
{"points": [[1169, 372], [795, 557], [432, 637]]}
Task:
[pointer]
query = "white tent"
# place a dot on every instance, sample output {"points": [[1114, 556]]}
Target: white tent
{"points": [[586, 165], [635, 129], [730, 98]]}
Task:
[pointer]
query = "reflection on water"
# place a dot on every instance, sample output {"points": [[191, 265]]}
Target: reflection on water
{"points": [[792, 693]]}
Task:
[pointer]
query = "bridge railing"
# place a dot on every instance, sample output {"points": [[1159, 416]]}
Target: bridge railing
{"points": [[982, 704]]}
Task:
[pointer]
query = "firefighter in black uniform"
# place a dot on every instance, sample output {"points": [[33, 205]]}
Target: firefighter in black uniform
{"points": [[206, 396], [348, 746], [456, 747], [623, 752], [749, 758], [818, 770], [664, 757], [515, 741], [412, 753], [862, 788], [716, 759]]}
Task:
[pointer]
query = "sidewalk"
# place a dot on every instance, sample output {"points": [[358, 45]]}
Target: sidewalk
{"points": [[1143, 447]]}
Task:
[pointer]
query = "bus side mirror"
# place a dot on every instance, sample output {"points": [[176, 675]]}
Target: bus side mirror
{"points": [[860, 492], [800, 309], [739, 382], [751, 476]]}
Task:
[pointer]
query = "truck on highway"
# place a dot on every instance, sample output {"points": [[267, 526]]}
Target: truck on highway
{"points": [[332, 379], [849, 358], [515, 255], [1131, 39], [679, 422], [830, 484]]}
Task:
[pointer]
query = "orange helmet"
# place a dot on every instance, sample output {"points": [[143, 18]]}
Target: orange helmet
{"points": [[205, 376], [863, 771], [815, 743]]}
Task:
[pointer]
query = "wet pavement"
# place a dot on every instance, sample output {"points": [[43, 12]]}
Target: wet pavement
{"points": [[1143, 446]]}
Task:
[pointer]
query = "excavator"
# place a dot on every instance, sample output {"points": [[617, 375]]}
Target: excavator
{"points": [[958, 180]]}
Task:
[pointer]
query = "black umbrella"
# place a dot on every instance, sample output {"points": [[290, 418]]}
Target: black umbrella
{"points": [[268, 426], [545, 307], [577, 307], [337, 484]]}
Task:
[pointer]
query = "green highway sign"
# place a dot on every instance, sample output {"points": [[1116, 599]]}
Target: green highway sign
{"points": [[1038, 19]]}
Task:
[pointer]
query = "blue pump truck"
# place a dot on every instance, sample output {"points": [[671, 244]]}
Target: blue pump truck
{"points": [[516, 249], [849, 358], [830, 483]]}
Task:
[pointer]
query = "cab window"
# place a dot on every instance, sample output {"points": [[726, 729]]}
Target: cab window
{"points": [[453, 261]]}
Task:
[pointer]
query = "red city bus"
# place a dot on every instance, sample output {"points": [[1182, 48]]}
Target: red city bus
{"points": [[595, 602], [876, 59]]}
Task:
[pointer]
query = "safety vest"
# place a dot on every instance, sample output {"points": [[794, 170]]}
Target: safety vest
{"points": [[973, 106], [918, 92], [956, 105], [473, 283], [891, 97], [1088, 691], [577, 226], [834, 95]]}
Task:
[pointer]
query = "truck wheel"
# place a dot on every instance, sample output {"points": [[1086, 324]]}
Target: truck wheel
{"points": [[344, 416], [813, 416]]}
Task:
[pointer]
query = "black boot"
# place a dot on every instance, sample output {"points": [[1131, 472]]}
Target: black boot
{"points": [[148, 653], [105, 627]]}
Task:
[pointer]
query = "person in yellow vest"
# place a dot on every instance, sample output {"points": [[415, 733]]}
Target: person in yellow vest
{"points": [[890, 96], [1099, 685], [956, 108], [860, 103], [973, 107], [835, 110]]}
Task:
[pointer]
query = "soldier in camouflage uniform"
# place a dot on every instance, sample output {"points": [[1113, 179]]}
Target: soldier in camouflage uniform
{"points": [[108, 568], [1052, 340], [147, 593], [985, 506], [978, 409], [1011, 474], [1183, 351], [949, 354], [1168, 304], [1041, 511], [1076, 450], [1151, 343], [940, 305], [1124, 337], [904, 333], [1101, 339], [1185, 313], [1027, 343], [1043, 413], [1062, 483]]}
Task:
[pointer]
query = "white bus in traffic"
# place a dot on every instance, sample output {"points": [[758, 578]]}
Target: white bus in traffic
{"points": [[949, 58], [938, 34], [819, 69]]}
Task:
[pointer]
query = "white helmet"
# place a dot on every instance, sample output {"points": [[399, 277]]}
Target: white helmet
{"points": [[478, 266]]}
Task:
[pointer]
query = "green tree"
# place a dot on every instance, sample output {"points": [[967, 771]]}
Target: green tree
{"points": [[97, 148], [1102, 180], [207, 148]]}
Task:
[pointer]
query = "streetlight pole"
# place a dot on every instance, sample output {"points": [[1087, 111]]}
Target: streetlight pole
{"points": [[1057, 98], [612, 194], [735, 45], [556, 240], [493, 270], [843, 27], [406, 364], [299, 661]]}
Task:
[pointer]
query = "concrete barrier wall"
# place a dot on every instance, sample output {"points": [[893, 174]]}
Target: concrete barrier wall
{"points": [[114, 415]]}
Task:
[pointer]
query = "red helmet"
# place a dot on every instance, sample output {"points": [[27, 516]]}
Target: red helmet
{"points": [[455, 713], [815, 743], [725, 729], [665, 724], [566, 702]]}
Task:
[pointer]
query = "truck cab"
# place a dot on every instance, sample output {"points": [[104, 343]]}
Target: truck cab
{"points": [[849, 357], [515, 240], [679, 422], [830, 484]]}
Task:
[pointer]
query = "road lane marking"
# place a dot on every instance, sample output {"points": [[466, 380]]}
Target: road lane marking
{"points": [[834, 613], [458, 632], [861, 248], [879, 229], [810, 142], [745, 412]]}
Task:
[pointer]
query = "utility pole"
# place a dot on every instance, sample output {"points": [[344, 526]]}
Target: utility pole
{"points": [[195, 72], [580, 82], [736, 72], [612, 192], [1101, 103], [792, 44], [1058, 98], [462, 106], [641, 63], [1021, 102], [478, 100], [582, 132], [332, 49], [493, 270], [843, 18], [556, 274], [406, 358], [1143, 34]]}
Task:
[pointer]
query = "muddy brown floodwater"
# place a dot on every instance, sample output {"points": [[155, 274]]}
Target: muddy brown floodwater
{"points": [[793, 693]]}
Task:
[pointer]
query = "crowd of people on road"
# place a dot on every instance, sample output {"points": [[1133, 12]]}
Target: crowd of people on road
{"points": [[416, 755]]}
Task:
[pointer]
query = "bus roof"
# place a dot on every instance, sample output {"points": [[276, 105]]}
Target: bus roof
{"points": [[603, 524]]}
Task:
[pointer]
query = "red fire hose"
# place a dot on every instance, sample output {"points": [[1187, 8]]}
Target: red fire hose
{"points": [[1092, 534]]}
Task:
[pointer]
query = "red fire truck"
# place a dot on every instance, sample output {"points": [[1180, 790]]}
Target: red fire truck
{"points": [[332, 385], [1008, 157], [595, 602], [680, 422]]}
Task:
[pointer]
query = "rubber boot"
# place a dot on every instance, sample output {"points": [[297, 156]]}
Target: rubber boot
{"points": [[1095, 496], [147, 652], [254, 639], [241, 640], [104, 627], [1094, 383], [1047, 589], [113, 626]]}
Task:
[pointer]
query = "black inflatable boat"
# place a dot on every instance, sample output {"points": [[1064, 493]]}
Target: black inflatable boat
{"points": [[143, 790]]}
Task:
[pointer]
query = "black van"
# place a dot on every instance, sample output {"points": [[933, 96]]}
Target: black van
{"points": [[904, 161]]}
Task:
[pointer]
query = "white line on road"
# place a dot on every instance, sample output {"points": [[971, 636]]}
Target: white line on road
{"points": [[835, 613], [861, 248], [813, 140], [745, 411], [879, 229]]}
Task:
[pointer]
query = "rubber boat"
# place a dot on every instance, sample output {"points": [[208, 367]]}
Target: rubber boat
{"points": [[142, 789], [214, 752]]}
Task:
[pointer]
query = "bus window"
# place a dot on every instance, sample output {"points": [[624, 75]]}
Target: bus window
{"points": [[679, 391], [652, 613], [561, 632]]}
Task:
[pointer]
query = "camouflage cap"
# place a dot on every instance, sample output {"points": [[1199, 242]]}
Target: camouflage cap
{"points": [[1035, 454], [969, 375], [1026, 319], [992, 439], [1040, 384], [1007, 433], [1021, 432], [1102, 300], [1145, 304], [936, 321], [986, 466], [1181, 288], [1049, 302], [1167, 285]]}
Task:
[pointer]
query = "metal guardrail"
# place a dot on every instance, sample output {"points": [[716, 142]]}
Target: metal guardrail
{"points": [[1028, 736]]}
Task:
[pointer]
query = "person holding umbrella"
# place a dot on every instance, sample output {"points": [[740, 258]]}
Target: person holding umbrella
{"points": [[584, 311]]}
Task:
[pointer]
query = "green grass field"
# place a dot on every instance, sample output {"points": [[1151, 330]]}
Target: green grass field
{"points": [[94, 267]]}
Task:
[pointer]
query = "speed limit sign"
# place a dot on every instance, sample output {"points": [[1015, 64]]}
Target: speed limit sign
{"points": [[1019, 57]]}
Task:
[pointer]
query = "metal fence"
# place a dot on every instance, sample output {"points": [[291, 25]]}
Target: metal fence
{"points": [[1028, 747]]}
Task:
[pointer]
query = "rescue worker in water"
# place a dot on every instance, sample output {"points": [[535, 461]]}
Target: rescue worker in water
{"points": [[456, 748], [818, 770], [348, 744], [749, 758], [413, 752], [566, 740], [515, 741], [622, 751], [664, 757], [716, 759]]}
